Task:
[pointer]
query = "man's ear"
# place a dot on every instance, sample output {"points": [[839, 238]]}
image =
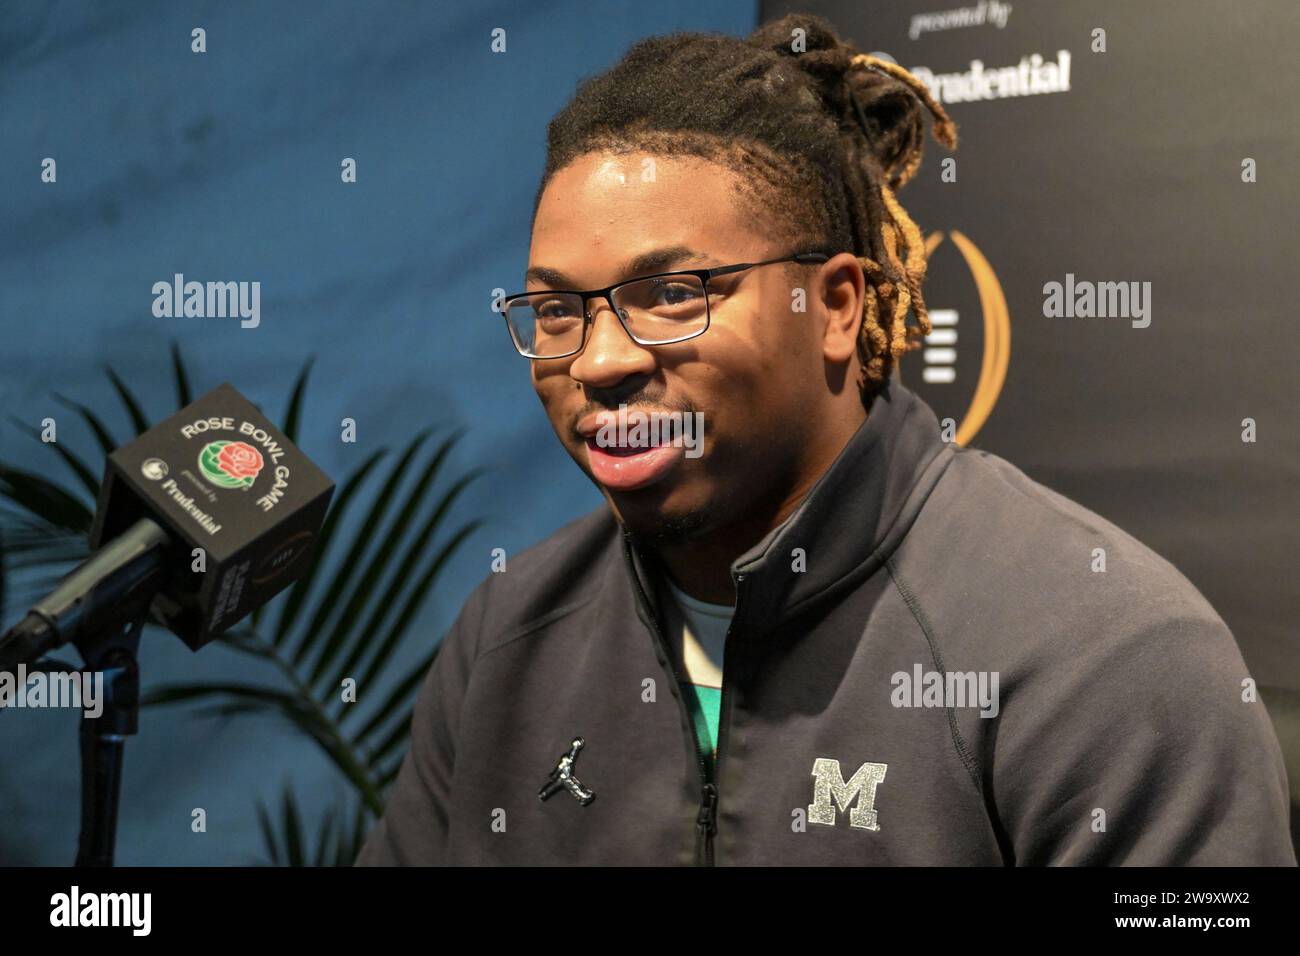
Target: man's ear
{"points": [[842, 288]]}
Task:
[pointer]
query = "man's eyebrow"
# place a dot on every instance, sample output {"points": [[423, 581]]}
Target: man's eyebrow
{"points": [[647, 263]]}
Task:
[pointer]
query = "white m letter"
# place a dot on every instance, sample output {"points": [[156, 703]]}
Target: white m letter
{"points": [[830, 782]]}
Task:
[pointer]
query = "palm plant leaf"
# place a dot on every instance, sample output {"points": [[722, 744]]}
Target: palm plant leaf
{"points": [[291, 417], [292, 829], [43, 558], [102, 435], [350, 841], [321, 853], [344, 575], [298, 707], [138, 421], [397, 696], [28, 535], [365, 590], [423, 584], [184, 693], [338, 837], [420, 584], [387, 777], [298, 593], [268, 834], [387, 747], [181, 378], [79, 468], [235, 708], [293, 414], [45, 500]]}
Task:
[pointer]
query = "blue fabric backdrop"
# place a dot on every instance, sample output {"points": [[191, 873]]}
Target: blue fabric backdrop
{"points": [[225, 165]]}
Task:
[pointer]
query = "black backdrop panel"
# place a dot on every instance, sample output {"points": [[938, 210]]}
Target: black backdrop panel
{"points": [[1126, 169]]}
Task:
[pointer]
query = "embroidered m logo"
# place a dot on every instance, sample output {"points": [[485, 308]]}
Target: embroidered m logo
{"points": [[829, 782]]}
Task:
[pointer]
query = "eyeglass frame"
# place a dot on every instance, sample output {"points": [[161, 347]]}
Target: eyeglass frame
{"points": [[704, 275]]}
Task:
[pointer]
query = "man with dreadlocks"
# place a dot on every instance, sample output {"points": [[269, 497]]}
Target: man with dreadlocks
{"points": [[920, 665]]}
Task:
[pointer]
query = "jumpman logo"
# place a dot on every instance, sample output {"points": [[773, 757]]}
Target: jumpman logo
{"points": [[562, 777]]}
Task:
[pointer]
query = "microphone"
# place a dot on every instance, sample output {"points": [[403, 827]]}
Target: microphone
{"points": [[111, 587], [202, 518]]}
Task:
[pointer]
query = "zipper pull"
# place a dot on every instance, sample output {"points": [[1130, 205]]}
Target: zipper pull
{"points": [[707, 820]]}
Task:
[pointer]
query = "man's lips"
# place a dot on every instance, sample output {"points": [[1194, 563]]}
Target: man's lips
{"points": [[635, 463], [627, 469]]}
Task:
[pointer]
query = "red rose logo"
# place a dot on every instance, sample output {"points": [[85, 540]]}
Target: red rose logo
{"points": [[240, 460]]}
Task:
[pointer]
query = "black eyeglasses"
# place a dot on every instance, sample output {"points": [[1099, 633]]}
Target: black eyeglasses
{"points": [[654, 310]]}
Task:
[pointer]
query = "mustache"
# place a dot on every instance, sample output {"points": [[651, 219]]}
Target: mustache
{"points": [[636, 404]]}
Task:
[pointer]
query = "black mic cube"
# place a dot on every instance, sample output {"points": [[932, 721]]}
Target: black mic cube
{"points": [[217, 476]]}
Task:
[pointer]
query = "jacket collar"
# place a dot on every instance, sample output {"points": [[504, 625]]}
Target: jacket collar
{"points": [[847, 525]]}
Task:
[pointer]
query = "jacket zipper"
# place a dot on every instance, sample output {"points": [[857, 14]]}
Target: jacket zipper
{"points": [[709, 803], [706, 819]]}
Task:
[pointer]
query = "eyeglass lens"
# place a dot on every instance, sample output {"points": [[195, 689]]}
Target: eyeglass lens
{"points": [[654, 311]]}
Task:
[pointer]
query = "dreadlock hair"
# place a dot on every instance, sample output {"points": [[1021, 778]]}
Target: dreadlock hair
{"points": [[822, 138]]}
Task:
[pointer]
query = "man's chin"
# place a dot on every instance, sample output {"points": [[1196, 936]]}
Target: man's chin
{"points": [[655, 512], [651, 518]]}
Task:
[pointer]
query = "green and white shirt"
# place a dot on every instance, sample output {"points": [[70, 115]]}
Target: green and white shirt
{"points": [[700, 637]]}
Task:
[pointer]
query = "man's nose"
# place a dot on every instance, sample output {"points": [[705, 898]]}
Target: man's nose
{"points": [[610, 354]]}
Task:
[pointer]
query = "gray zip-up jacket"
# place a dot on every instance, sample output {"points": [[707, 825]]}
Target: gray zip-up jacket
{"points": [[934, 660]]}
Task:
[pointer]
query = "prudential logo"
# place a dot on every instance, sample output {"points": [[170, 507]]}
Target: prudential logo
{"points": [[230, 464]]}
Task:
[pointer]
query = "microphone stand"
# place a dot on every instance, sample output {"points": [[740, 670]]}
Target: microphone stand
{"points": [[103, 738], [113, 652], [102, 605]]}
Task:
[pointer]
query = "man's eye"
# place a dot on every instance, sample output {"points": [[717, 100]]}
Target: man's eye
{"points": [[556, 316], [555, 309], [674, 293]]}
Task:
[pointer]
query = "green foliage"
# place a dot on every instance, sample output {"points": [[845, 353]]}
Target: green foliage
{"points": [[339, 836], [348, 617]]}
